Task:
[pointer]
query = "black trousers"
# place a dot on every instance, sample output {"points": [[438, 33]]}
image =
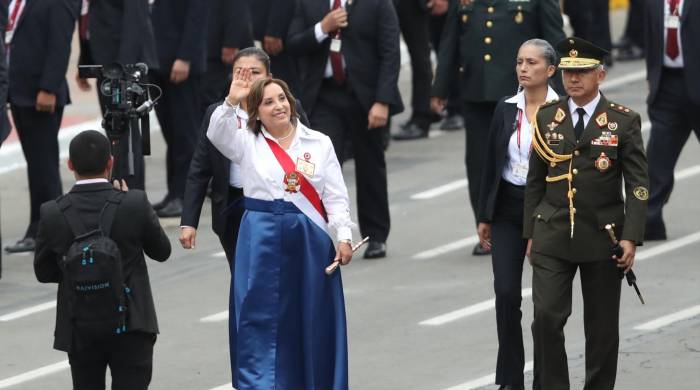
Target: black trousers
{"points": [[437, 24], [180, 116], [634, 28], [233, 214], [590, 20], [215, 84], [507, 256], [283, 66], [38, 135], [415, 28], [477, 121], [552, 279], [339, 114], [129, 357], [673, 116]]}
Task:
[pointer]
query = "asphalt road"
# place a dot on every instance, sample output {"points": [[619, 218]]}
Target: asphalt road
{"points": [[420, 319]]}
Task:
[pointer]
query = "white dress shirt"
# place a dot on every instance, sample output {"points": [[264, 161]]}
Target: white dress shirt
{"points": [[589, 108], [264, 178], [91, 181], [515, 171], [321, 36], [678, 62], [234, 177]]}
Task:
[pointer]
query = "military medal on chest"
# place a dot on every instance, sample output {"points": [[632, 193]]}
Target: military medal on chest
{"points": [[602, 163]]}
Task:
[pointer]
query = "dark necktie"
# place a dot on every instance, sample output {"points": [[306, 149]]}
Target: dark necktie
{"points": [[672, 50], [336, 57], [578, 129]]}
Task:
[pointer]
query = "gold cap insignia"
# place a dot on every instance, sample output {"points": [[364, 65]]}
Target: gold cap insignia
{"points": [[573, 53], [519, 17], [641, 193]]}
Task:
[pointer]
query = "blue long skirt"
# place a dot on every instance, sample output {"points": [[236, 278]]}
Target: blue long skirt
{"points": [[289, 327]]}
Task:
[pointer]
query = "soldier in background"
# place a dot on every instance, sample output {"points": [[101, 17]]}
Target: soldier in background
{"points": [[481, 38]]}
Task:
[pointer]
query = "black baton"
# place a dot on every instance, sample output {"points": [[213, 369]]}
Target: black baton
{"points": [[618, 252]]}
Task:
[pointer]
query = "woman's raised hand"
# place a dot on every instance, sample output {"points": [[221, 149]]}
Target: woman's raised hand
{"points": [[240, 86]]}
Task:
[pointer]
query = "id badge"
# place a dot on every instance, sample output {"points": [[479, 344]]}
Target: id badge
{"points": [[305, 167], [672, 21], [8, 36], [520, 170], [336, 45]]}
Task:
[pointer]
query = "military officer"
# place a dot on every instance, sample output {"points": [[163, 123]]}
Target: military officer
{"points": [[586, 147], [480, 40]]}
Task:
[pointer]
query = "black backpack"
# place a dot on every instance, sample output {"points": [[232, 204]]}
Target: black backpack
{"points": [[93, 276]]}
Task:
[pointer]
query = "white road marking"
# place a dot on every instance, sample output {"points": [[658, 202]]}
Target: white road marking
{"points": [[227, 386], [30, 375], [485, 380], [467, 311], [28, 311], [218, 317], [219, 254], [687, 172], [670, 319], [623, 80], [646, 126], [447, 248], [435, 192], [668, 246]]}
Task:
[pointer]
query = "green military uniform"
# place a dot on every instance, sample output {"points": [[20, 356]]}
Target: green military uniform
{"points": [[574, 188], [480, 40]]}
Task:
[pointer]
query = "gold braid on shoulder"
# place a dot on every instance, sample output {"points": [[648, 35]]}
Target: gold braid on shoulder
{"points": [[548, 155]]}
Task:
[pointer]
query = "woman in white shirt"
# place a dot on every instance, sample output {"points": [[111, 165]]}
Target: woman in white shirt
{"points": [[290, 315], [500, 210]]}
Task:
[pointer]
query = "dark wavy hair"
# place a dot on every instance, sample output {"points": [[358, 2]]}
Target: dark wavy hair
{"points": [[255, 98], [253, 51]]}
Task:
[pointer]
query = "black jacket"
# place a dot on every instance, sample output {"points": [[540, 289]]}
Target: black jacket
{"points": [[120, 31], [228, 25], [502, 127], [181, 33], [209, 164], [136, 230], [370, 48], [655, 46], [4, 124], [271, 17], [40, 50]]}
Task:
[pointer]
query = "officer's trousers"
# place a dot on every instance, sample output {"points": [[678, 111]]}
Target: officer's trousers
{"points": [[552, 280]]}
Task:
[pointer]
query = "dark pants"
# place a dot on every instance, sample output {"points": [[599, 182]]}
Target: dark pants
{"points": [[552, 279], [233, 214], [590, 20], [129, 357], [215, 84], [437, 24], [180, 116], [673, 116], [339, 114], [38, 135], [477, 121], [414, 23], [283, 66], [634, 28], [580, 17], [507, 255]]}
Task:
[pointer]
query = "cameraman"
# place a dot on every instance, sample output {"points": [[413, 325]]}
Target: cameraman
{"points": [[135, 230], [117, 31]]}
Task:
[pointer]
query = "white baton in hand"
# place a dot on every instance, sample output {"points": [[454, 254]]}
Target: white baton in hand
{"points": [[336, 263]]}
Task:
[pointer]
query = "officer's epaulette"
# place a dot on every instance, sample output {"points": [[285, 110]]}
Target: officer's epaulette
{"points": [[619, 108], [549, 103]]}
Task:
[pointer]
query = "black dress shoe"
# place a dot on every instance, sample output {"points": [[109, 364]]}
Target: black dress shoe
{"points": [[375, 250], [26, 244], [411, 131], [480, 251], [512, 387], [162, 203], [452, 122], [171, 209]]}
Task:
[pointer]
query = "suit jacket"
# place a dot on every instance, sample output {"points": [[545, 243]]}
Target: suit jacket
{"points": [[597, 193], [496, 158], [370, 49], [271, 17], [4, 124], [208, 164], [228, 26], [655, 46], [180, 30], [136, 230], [485, 56], [120, 31], [40, 50]]}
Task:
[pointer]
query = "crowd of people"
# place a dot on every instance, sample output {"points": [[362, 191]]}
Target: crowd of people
{"points": [[266, 129]]}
